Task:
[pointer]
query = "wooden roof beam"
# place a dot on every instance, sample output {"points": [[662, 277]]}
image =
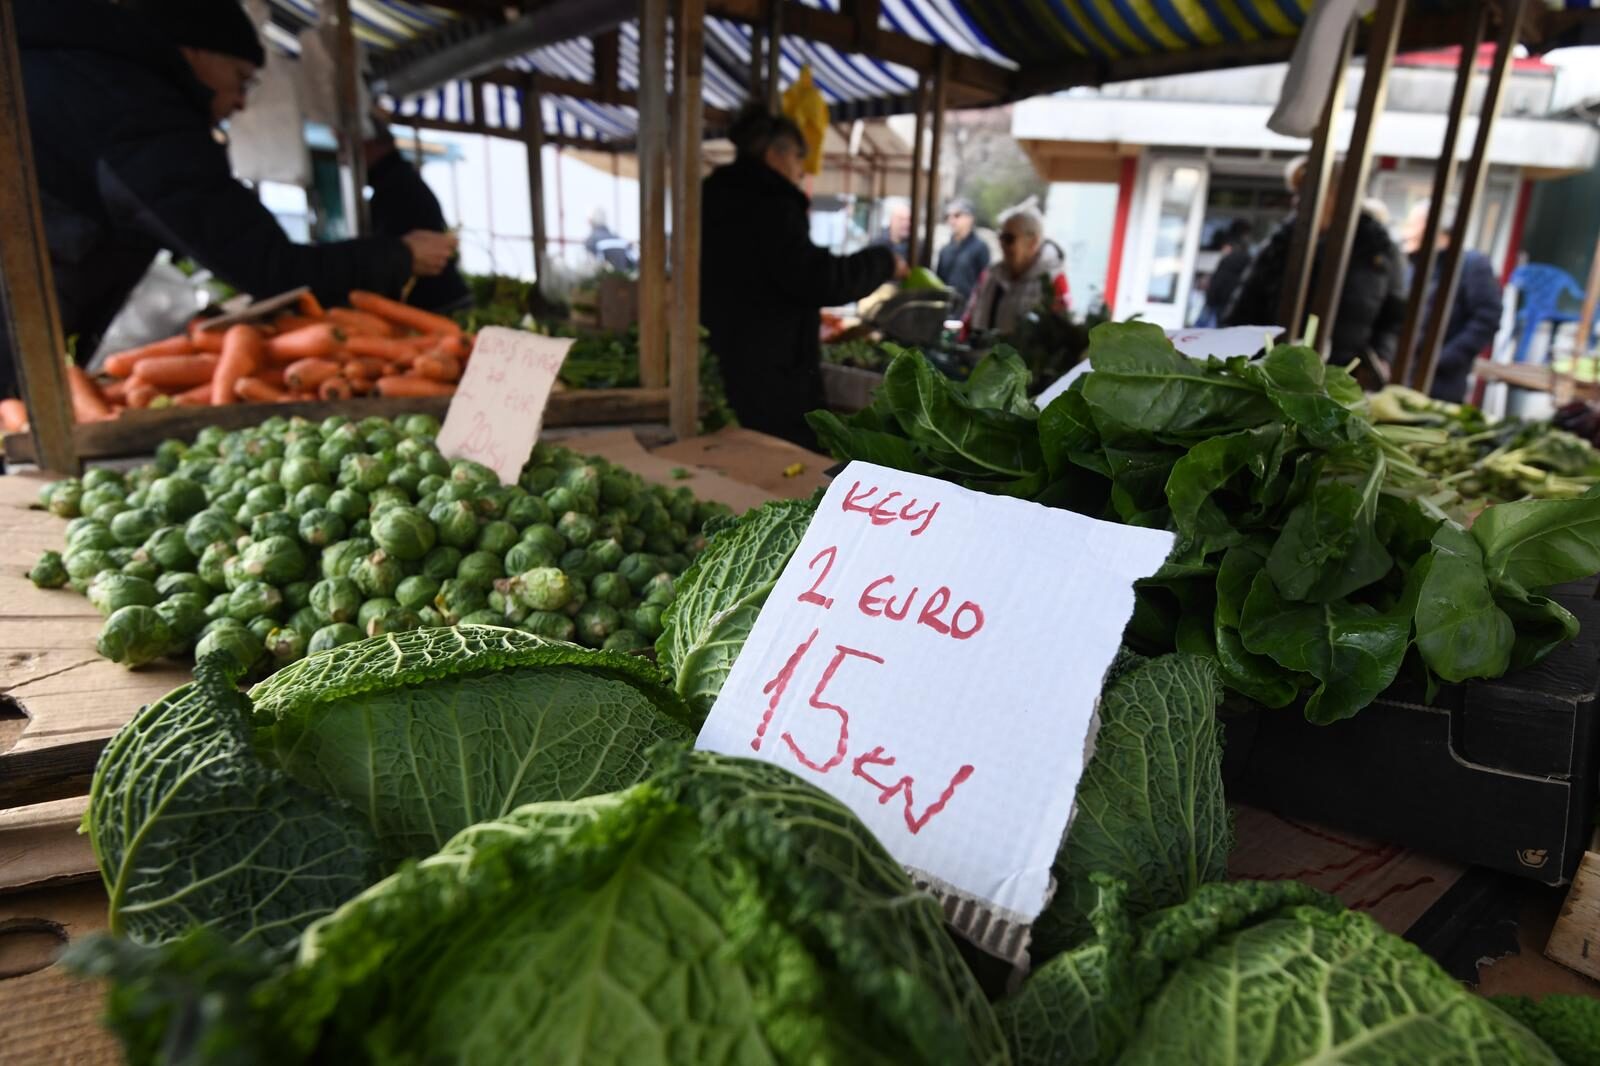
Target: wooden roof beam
{"points": [[549, 85]]}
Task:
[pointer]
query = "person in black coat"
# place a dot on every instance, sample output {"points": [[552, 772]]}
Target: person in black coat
{"points": [[1230, 269], [1474, 314], [1372, 303], [123, 104], [962, 261], [763, 283]]}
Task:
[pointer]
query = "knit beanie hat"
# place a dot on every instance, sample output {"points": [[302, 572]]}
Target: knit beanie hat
{"points": [[214, 25]]}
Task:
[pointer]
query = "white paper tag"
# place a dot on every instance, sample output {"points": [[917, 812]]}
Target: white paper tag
{"points": [[497, 411], [932, 657], [1061, 384], [1195, 343]]}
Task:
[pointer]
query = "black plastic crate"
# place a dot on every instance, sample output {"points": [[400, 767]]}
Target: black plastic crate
{"points": [[1497, 773]]}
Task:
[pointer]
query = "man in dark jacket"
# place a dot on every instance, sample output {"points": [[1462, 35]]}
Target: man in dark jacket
{"points": [[1474, 314], [1230, 269], [123, 101], [962, 261], [763, 283]]}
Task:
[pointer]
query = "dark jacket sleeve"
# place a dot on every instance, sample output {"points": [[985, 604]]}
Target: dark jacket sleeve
{"points": [[402, 202], [1391, 313], [816, 277], [172, 181], [1479, 296], [1255, 300]]}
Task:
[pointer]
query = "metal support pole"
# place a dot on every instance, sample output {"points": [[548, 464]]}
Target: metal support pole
{"points": [[688, 113], [347, 75], [27, 287], [1471, 188], [1335, 253], [758, 77], [774, 55], [1444, 178], [1313, 192], [652, 153], [941, 79], [533, 137], [1591, 297], [913, 241]]}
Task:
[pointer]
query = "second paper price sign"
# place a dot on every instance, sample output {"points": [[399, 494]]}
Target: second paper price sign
{"points": [[932, 656]]}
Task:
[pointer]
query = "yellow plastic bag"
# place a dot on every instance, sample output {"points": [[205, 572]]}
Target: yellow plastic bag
{"points": [[803, 103]]}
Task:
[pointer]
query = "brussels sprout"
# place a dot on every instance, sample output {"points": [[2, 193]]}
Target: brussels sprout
{"points": [[405, 478], [434, 465], [386, 497], [417, 591], [135, 635], [84, 563], [497, 536], [647, 620], [526, 510], [110, 591], [560, 500], [49, 572], [132, 527], [297, 473], [361, 529], [658, 590], [661, 543], [309, 498], [332, 452], [490, 503], [654, 518], [397, 620], [542, 589], [286, 645], [610, 588], [94, 499], [169, 453], [86, 533], [404, 532], [481, 567], [102, 477], [578, 529], [260, 500], [305, 621], [217, 609], [223, 476], [105, 512], [297, 594], [626, 640], [207, 528], [538, 479], [457, 523], [167, 549], [277, 560], [525, 556], [507, 606], [545, 537], [320, 527], [381, 438], [377, 574], [583, 480], [617, 488], [301, 450], [177, 498], [474, 475], [549, 624], [441, 562], [141, 568], [335, 600], [120, 556], [417, 425], [638, 568], [429, 486], [261, 625], [349, 504], [234, 641], [363, 472], [373, 608], [64, 498], [273, 524], [608, 553], [179, 582], [254, 599], [185, 615], [430, 618], [597, 621], [230, 502], [675, 563], [458, 598], [580, 564], [339, 558], [269, 473]]}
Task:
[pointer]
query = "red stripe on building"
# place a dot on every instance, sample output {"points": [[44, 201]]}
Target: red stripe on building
{"points": [[1119, 229]]}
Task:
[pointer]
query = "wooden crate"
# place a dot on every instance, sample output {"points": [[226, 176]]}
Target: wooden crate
{"points": [[848, 389]]}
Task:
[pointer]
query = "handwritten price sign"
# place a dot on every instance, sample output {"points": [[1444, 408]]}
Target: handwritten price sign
{"points": [[497, 411], [932, 657]]}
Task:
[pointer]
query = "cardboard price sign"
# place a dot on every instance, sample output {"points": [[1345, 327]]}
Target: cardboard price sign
{"points": [[932, 657], [498, 409]]}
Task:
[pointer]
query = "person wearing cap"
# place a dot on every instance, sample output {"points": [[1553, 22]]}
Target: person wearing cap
{"points": [[124, 102], [963, 260]]}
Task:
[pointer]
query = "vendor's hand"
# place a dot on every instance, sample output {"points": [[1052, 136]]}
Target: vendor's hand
{"points": [[431, 252], [901, 268]]}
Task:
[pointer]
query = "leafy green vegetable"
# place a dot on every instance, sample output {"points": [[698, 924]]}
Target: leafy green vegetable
{"points": [[1569, 1024]]}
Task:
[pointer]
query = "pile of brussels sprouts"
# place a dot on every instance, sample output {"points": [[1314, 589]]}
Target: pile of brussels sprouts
{"points": [[295, 536]]}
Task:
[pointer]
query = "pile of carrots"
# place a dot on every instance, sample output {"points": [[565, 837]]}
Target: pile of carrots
{"points": [[375, 347]]}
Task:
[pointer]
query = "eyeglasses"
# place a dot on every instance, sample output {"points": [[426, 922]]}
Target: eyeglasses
{"points": [[1008, 239]]}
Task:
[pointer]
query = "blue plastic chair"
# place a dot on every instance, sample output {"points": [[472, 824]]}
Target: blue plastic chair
{"points": [[1542, 287]]}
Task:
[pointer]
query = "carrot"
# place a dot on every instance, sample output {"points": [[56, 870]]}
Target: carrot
{"points": [[360, 322], [334, 389], [241, 357], [438, 367], [254, 390], [121, 364], [288, 323], [175, 372], [87, 403], [321, 341], [13, 416], [365, 366], [402, 314], [142, 394], [115, 392], [361, 386], [205, 340], [305, 374], [199, 396], [310, 306], [390, 349], [409, 387]]}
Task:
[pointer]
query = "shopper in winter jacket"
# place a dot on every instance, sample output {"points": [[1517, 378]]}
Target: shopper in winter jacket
{"points": [[1372, 303], [763, 283], [1028, 275], [123, 105], [962, 261], [1474, 314]]}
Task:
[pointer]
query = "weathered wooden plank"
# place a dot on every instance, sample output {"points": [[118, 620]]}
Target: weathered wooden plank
{"points": [[1575, 939]]}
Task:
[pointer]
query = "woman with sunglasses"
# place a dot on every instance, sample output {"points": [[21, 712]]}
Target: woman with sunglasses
{"points": [[1029, 274]]}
